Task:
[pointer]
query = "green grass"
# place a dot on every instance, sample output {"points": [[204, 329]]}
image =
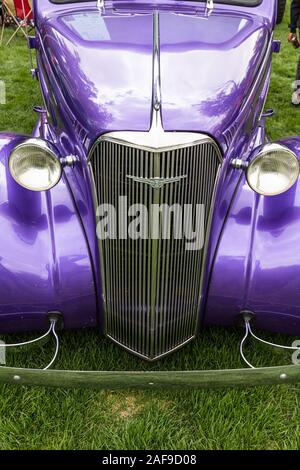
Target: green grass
{"points": [[38, 418]]}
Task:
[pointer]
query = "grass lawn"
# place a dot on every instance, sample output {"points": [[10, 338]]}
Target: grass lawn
{"points": [[38, 418]]}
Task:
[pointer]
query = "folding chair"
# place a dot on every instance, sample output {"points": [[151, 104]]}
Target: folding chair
{"points": [[22, 18]]}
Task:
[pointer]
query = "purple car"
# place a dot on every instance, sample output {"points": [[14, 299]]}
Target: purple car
{"points": [[149, 202]]}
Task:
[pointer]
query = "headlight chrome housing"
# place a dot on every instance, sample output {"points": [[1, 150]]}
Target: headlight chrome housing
{"points": [[273, 171], [34, 165]]}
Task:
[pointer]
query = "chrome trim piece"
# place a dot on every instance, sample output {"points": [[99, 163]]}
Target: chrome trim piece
{"points": [[146, 358], [206, 243], [156, 82], [36, 142], [157, 142], [156, 182], [69, 161], [238, 164]]}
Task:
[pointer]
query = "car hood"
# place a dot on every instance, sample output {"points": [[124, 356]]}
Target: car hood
{"points": [[103, 66]]}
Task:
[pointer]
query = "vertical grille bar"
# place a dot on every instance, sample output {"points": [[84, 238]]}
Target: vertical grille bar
{"points": [[151, 287]]}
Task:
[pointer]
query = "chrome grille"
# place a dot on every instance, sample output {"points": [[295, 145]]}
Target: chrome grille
{"points": [[152, 287]]}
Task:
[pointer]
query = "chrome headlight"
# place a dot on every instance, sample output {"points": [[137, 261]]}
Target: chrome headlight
{"points": [[34, 166], [273, 171]]}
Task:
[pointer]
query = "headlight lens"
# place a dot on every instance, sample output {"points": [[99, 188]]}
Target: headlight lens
{"points": [[34, 166], [273, 171]]}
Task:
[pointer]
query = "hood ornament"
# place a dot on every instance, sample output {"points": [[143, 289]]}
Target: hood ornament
{"points": [[156, 182]]}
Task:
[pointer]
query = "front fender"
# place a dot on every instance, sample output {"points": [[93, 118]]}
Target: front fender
{"points": [[45, 263], [257, 261]]}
